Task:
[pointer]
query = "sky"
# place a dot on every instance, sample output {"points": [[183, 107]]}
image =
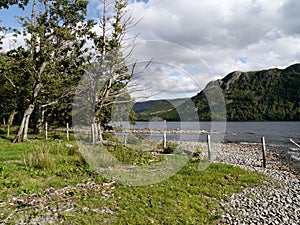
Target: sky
{"points": [[192, 42]]}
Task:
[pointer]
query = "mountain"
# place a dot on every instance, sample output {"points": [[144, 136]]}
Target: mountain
{"points": [[157, 109], [266, 95], [271, 95]]}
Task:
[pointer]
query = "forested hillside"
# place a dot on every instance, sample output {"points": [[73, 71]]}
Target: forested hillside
{"points": [[267, 95], [272, 94], [157, 108]]}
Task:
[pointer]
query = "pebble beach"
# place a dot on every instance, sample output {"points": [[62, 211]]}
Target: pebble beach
{"points": [[277, 201]]}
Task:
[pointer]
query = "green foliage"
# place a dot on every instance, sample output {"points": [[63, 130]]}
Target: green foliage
{"points": [[110, 60], [171, 147], [7, 3], [54, 52], [265, 95], [13, 92], [163, 109]]}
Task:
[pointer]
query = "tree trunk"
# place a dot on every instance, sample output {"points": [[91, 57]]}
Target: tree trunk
{"points": [[22, 133], [98, 130], [11, 118], [10, 121], [39, 120]]}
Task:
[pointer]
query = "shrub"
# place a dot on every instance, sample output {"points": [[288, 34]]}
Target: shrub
{"points": [[170, 148], [197, 152], [133, 140]]}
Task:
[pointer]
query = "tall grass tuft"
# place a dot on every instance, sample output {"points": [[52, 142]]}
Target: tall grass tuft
{"points": [[39, 158]]}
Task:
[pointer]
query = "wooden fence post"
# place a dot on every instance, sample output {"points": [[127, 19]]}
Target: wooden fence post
{"points": [[165, 139], [46, 130], [209, 147], [125, 139], [264, 152], [93, 133], [68, 137]]}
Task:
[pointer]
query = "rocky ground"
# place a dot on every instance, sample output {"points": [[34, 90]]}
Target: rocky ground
{"points": [[49, 206], [277, 201]]}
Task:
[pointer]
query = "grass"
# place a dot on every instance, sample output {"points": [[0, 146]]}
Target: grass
{"points": [[191, 196]]}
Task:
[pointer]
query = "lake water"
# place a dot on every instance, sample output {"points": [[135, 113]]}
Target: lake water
{"points": [[277, 134]]}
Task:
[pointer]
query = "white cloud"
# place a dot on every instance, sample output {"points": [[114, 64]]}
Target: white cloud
{"points": [[207, 39], [290, 17], [12, 42], [226, 35], [174, 71]]}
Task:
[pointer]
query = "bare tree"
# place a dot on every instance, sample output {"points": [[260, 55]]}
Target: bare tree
{"points": [[110, 73]]}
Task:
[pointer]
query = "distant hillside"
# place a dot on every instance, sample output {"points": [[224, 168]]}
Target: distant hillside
{"points": [[271, 95], [157, 108]]}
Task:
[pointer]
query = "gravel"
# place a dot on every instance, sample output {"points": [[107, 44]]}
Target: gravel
{"points": [[277, 201], [51, 206]]}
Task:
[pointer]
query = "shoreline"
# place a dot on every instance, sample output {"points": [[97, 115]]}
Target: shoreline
{"points": [[277, 200], [248, 156]]}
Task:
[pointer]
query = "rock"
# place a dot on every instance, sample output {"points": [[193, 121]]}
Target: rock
{"points": [[277, 201], [69, 146]]}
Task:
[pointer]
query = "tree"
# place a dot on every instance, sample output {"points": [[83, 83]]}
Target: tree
{"points": [[14, 86], [8, 91], [54, 55], [109, 73]]}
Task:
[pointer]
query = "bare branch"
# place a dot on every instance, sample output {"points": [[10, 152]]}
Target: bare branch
{"points": [[10, 81], [49, 104]]}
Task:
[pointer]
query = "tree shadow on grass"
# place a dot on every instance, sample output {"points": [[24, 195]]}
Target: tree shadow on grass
{"points": [[4, 136]]}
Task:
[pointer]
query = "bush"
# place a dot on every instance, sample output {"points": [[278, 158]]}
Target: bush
{"points": [[133, 140], [197, 152], [170, 148]]}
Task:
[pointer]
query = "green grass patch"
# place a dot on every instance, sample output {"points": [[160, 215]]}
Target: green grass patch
{"points": [[191, 196]]}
